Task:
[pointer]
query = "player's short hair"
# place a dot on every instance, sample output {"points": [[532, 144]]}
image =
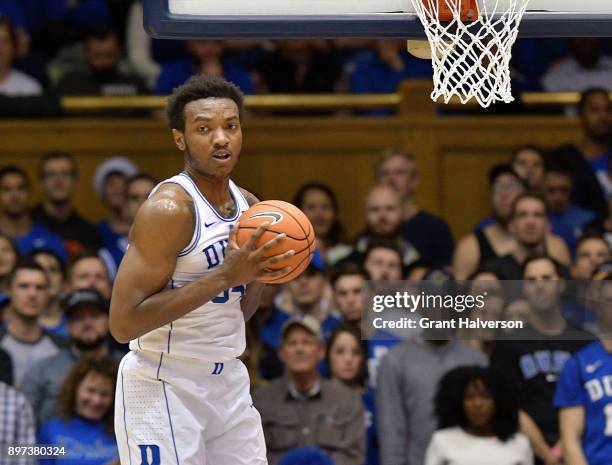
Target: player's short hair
{"points": [[14, 169], [449, 399], [25, 263], [588, 93], [5, 22], [56, 155], [350, 268], [200, 87], [529, 195], [103, 365]]}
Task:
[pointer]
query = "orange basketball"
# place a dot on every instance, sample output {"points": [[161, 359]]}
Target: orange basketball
{"points": [[283, 218]]}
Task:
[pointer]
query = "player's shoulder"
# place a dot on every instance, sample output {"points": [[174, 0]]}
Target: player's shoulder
{"points": [[248, 196], [169, 200]]}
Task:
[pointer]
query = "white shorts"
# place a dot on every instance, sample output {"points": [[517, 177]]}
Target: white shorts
{"points": [[176, 411]]}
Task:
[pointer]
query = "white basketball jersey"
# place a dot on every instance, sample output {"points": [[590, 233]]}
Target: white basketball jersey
{"points": [[214, 331]]}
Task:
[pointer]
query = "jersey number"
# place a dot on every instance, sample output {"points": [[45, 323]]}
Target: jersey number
{"points": [[222, 298], [608, 411]]}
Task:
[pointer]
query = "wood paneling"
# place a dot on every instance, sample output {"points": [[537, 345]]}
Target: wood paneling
{"points": [[453, 154]]}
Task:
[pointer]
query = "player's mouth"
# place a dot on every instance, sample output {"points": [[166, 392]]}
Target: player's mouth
{"points": [[222, 155]]}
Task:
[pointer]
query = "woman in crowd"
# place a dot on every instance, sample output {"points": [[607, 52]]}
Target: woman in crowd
{"points": [[477, 410], [346, 359], [9, 254], [86, 405], [53, 319], [320, 205]]}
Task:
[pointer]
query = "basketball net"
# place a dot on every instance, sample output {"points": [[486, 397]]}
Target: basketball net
{"points": [[471, 47]]}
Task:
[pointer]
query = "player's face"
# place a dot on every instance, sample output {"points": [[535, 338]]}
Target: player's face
{"points": [[58, 180], [400, 174], [8, 257], [319, 209], [29, 293], [557, 189], [504, 190], [94, 396], [137, 192], [88, 273], [348, 294], [88, 327], [383, 212], [213, 137], [301, 351], [478, 405], [383, 264], [597, 116], [307, 288], [345, 358], [529, 166], [594, 252], [114, 191], [530, 223], [14, 195], [54, 273], [541, 284]]}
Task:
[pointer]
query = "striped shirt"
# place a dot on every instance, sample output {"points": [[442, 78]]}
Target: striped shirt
{"points": [[17, 425]]}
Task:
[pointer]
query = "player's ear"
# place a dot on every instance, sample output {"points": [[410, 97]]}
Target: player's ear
{"points": [[179, 139]]}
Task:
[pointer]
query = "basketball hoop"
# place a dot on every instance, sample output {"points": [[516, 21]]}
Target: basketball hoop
{"points": [[471, 44]]}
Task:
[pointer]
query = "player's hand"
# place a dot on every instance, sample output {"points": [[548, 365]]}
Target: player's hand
{"points": [[245, 264]]}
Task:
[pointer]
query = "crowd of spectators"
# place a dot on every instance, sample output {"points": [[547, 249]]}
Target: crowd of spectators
{"points": [[53, 48], [330, 388]]}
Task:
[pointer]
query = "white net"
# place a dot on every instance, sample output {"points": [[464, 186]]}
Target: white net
{"points": [[471, 58]]}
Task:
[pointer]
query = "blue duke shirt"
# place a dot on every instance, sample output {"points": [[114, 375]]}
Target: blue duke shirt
{"points": [[586, 380]]}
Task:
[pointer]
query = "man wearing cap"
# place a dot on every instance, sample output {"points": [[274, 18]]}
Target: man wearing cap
{"points": [[87, 313], [310, 294], [303, 409]]}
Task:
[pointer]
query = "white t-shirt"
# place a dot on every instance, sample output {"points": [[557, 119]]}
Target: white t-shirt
{"points": [[453, 446], [18, 84]]}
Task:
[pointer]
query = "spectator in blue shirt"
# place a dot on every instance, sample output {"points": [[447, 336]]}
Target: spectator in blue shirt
{"points": [[382, 70], [15, 218], [85, 426], [584, 395], [205, 57], [346, 359], [557, 188]]}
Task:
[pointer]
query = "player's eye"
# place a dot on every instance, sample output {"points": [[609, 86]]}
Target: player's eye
{"points": [[233, 126], [203, 129]]}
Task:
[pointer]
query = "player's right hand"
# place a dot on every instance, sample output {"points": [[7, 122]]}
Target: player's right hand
{"points": [[245, 264]]}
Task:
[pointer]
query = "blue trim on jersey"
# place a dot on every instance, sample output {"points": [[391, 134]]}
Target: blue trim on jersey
{"points": [[161, 357], [186, 176], [246, 202], [169, 336], [124, 413], [170, 421]]}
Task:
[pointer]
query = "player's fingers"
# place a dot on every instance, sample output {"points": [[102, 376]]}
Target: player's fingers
{"points": [[269, 274], [254, 239], [278, 258], [271, 243]]}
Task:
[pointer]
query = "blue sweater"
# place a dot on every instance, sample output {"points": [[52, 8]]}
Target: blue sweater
{"points": [[86, 442]]}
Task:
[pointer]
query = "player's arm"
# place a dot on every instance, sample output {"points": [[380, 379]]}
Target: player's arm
{"points": [[250, 300], [467, 255], [571, 426], [163, 227]]}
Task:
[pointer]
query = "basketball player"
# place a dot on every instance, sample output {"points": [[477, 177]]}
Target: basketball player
{"points": [[180, 298]]}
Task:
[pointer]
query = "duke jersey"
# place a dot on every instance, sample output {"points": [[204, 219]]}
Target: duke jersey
{"points": [[586, 380], [214, 331]]}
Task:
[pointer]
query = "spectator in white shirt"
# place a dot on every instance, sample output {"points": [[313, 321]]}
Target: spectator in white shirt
{"points": [[477, 410], [13, 83], [587, 67]]}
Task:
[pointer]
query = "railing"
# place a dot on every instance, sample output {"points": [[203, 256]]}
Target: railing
{"points": [[412, 97]]}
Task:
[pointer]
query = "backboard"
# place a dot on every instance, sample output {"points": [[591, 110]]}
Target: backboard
{"points": [[287, 19]]}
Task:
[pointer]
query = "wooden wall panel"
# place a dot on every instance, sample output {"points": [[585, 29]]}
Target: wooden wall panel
{"points": [[453, 154]]}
